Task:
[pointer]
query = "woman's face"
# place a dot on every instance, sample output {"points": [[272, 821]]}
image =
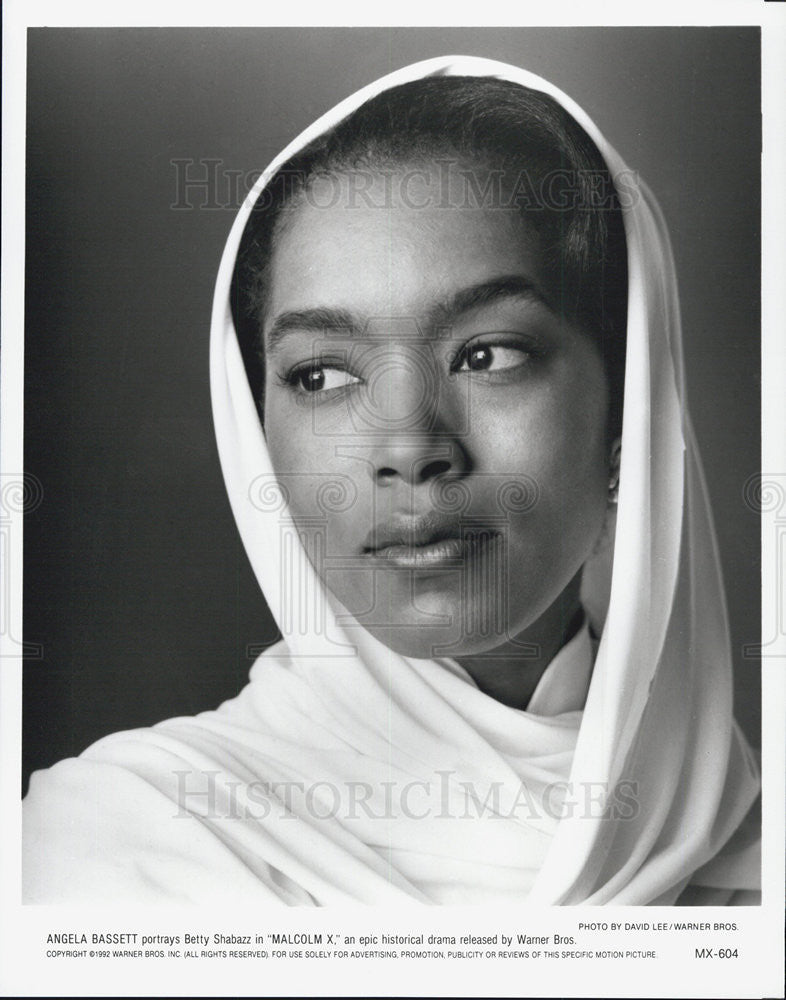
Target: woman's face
{"points": [[415, 359]]}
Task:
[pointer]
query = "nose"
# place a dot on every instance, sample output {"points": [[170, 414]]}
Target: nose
{"points": [[417, 460], [411, 421]]}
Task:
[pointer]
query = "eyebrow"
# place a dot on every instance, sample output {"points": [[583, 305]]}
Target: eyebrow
{"points": [[439, 317]]}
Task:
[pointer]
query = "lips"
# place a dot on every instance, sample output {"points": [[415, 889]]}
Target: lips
{"points": [[425, 542]]}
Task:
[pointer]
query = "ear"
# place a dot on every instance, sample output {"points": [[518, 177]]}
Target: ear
{"points": [[615, 455], [604, 542]]}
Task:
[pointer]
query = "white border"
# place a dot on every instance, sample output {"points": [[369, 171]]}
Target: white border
{"points": [[774, 454], [408, 13], [19, 926]]}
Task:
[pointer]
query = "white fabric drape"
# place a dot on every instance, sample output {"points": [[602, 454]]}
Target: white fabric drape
{"points": [[398, 755]]}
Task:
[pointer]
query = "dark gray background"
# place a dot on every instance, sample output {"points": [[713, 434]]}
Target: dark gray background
{"points": [[135, 583]]}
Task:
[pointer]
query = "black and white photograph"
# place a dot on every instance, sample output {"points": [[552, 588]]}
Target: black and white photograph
{"points": [[389, 449]]}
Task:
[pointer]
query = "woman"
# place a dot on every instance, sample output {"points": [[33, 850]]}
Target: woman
{"points": [[420, 328]]}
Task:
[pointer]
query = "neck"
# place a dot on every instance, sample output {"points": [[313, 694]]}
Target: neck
{"points": [[510, 673]]}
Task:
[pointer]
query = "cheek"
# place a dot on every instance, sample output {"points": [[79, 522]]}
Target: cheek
{"points": [[327, 496], [574, 447], [556, 437], [286, 446], [299, 466]]}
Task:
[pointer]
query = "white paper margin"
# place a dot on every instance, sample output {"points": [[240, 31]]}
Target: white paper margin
{"points": [[22, 929]]}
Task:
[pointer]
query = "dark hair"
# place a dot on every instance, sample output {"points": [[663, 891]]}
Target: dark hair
{"points": [[546, 164]]}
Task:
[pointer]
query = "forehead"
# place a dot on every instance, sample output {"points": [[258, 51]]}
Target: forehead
{"points": [[392, 243]]}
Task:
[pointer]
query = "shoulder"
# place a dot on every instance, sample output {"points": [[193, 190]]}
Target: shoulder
{"points": [[134, 821], [121, 821]]}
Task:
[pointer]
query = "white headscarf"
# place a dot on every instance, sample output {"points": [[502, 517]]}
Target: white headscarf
{"points": [[420, 744], [659, 707]]}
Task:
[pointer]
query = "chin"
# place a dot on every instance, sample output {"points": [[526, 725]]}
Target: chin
{"points": [[428, 642], [416, 642], [427, 617]]}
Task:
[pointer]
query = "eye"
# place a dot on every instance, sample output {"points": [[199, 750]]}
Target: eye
{"points": [[484, 357], [320, 378]]}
